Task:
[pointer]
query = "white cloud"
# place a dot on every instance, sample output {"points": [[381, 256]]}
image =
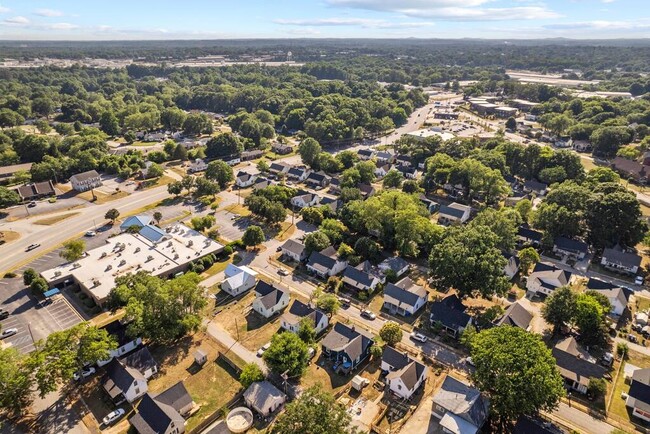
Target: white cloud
{"points": [[4, 9], [601, 25], [16, 21], [452, 10], [61, 26], [356, 22], [48, 13]]}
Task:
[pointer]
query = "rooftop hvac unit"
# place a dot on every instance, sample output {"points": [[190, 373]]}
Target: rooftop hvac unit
{"points": [[57, 273], [190, 243], [103, 255], [109, 267], [137, 249], [122, 262]]}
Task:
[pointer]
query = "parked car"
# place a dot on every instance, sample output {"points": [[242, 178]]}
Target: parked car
{"points": [[345, 303], [113, 416], [279, 249], [283, 272], [4, 314], [262, 350], [638, 280], [632, 338], [8, 332], [368, 314], [32, 247], [91, 233], [418, 337], [85, 373], [311, 352], [32, 204]]}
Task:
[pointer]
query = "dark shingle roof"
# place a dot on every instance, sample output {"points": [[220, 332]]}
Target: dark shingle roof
{"points": [[294, 246], [570, 245], [357, 278], [404, 367], [122, 377], [80, 177], [640, 387], [454, 212], [450, 311], [154, 417], [347, 339], [300, 310], [573, 364], [535, 185], [140, 360], [530, 234], [516, 315], [176, 396], [321, 261], [462, 400], [405, 294], [622, 258]]}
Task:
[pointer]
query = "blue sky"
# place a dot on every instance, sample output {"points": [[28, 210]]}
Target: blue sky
{"points": [[214, 19]]}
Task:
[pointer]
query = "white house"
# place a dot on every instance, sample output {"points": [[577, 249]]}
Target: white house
{"points": [[125, 343], [298, 174], [198, 165], [326, 263], [298, 310], [512, 266], [305, 200], [124, 383], [404, 374], [238, 279], [574, 249], [86, 181], [638, 397], [264, 398], [576, 365], [294, 250], [618, 297], [461, 408], [269, 299], [395, 264], [454, 213], [383, 169], [619, 260], [546, 278], [404, 297], [245, 179], [232, 160], [142, 361]]}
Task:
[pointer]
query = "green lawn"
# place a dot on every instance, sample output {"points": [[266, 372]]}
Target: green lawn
{"points": [[617, 408]]}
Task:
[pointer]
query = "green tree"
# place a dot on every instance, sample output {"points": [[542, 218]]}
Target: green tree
{"points": [[220, 172], [112, 215], [8, 197], [314, 412], [468, 335], [560, 308], [590, 319], [17, 381], [39, 285], [306, 331], [517, 371], [468, 259], [316, 241], [157, 216], [202, 223], [223, 145], [597, 387], [263, 166], [180, 153], [503, 223], [253, 236], [524, 207], [328, 303], [613, 216], [250, 374], [391, 333], [29, 275], [73, 250], [109, 123], [393, 179], [287, 354], [175, 188], [312, 215], [527, 258], [367, 248], [511, 124], [309, 150]]}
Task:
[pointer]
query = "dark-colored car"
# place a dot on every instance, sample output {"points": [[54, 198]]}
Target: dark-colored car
{"points": [[32, 247], [4, 314]]}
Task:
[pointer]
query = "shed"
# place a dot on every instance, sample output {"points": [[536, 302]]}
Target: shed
{"points": [[358, 382], [641, 318], [200, 357]]}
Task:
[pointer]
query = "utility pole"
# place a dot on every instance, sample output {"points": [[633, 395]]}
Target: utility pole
{"points": [[237, 328], [29, 327]]}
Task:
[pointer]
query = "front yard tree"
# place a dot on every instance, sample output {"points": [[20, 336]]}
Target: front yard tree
{"points": [[73, 250], [469, 260], [306, 331], [254, 236], [391, 333], [250, 374], [16, 380], [560, 308], [309, 150], [316, 241], [517, 371], [287, 354], [314, 412], [328, 303], [112, 215], [511, 124], [393, 179], [29, 275], [220, 172], [527, 258], [157, 216], [175, 188], [590, 319]]}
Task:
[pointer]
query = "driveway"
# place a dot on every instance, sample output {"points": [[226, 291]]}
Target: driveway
{"points": [[222, 337]]}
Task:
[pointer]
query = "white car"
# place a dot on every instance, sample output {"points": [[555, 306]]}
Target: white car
{"points": [[469, 361], [85, 373], [91, 233], [8, 332], [262, 350], [113, 416], [283, 272], [368, 314], [418, 337], [638, 280]]}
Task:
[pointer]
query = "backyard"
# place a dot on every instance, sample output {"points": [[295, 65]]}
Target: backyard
{"points": [[617, 409]]}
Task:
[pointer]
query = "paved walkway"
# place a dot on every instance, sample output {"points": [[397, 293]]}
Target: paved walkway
{"points": [[222, 336]]}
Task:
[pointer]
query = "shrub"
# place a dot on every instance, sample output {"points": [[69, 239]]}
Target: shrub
{"points": [[10, 275], [227, 251]]}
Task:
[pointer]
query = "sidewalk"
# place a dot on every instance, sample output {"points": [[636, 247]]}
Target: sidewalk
{"points": [[222, 337], [579, 421]]}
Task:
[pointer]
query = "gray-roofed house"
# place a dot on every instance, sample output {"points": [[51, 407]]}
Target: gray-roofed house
{"points": [[454, 213], [526, 235], [278, 168], [264, 398], [546, 278], [326, 263], [332, 203], [385, 157], [404, 375], [619, 260], [86, 181], [404, 297], [318, 179], [450, 314], [395, 264], [617, 296], [532, 186], [360, 280], [304, 200], [261, 183], [638, 397], [298, 174], [251, 155], [238, 279], [347, 346], [461, 408], [143, 361], [124, 383], [409, 172], [576, 366], [36, 190], [365, 154], [382, 169], [366, 190], [155, 417], [295, 250], [178, 398], [245, 179], [516, 315], [281, 148], [269, 299], [574, 249], [298, 311]]}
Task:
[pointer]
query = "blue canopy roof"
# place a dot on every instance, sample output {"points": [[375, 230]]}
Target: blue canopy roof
{"points": [[51, 292]]}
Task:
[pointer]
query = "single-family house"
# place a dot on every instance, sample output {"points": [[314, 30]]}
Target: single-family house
{"points": [[253, 154], [278, 168], [231, 160], [450, 314], [124, 383], [630, 169], [512, 266], [617, 296], [245, 179], [295, 250], [238, 279], [178, 398], [86, 181], [333, 204], [582, 145], [347, 346], [533, 186], [298, 311], [365, 154], [298, 174], [269, 299], [154, 137], [516, 315], [638, 397], [305, 199], [619, 260], [404, 375], [138, 221], [546, 278], [261, 183], [403, 160], [281, 148], [396, 264], [142, 361], [366, 190], [431, 205], [385, 157], [36, 190], [574, 249], [454, 213], [10, 171], [264, 398], [318, 179], [409, 172], [404, 297], [335, 185], [326, 263], [526, 235], [461, 408], [125, 344], [576, 366], [198, 165], [155, 417], [358, 279], [382, 169]]}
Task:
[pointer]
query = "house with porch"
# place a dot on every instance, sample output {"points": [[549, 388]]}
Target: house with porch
{"points": [[297, 312], [404, 375], [165, 412], [326, 263], [269, 299], [304, 200], [573, 249], [295, 250], [617, 259], [347, 346], [396, 264], [298, 174], [454, 213], [264, 398], [197, 165], [358, 279], [576, 365], [245, 179], [546, 278], [404, 298], [461, 408], [638, 397], [450, 314], [617, 296], [536, 187], [318, 180]]}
